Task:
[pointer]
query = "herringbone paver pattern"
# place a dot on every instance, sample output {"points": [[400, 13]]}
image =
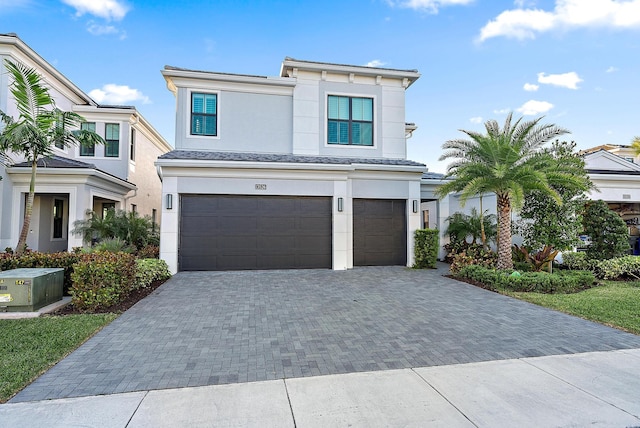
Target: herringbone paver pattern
{"points": [[204, 328]]}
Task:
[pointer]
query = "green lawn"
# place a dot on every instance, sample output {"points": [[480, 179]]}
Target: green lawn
{"points": [[30, 346], [615, 303]]}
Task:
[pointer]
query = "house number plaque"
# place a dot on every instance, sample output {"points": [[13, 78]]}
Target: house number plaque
{"points": [[261, 187]]}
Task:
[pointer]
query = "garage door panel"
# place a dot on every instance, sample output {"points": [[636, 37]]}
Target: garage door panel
{"points": [[379, 232], [254, 232]]}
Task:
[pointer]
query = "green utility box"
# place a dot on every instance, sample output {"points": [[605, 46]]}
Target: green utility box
{"points": [[25, 290]]}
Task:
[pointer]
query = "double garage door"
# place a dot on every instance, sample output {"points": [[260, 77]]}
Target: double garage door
{"points": [[233, 232]]}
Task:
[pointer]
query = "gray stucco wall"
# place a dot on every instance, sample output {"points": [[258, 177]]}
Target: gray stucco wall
{"points": [[246, 123]]}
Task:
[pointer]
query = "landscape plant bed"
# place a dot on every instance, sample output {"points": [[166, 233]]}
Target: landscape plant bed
{"points": [[118, 308]]}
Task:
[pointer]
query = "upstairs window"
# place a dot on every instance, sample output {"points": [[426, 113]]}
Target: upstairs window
{"points": [[88, 149], [350, 121], [112, 140], [204, 114], [132, 146]]}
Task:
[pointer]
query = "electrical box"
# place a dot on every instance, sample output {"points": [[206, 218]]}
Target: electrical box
{"points": [[26, 290]]}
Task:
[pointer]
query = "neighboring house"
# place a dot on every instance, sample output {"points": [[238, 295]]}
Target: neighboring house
{"points": [[613, 169], [120, 174], [304, 170]]}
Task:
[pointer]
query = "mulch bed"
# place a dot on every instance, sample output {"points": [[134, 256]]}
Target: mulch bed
{"points": [[131, 300]]}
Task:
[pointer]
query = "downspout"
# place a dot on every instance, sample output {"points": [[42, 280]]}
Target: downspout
{"points": [[132, 122]]}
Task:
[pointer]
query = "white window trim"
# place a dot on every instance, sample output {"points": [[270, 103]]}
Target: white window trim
{"points": [[104, 152], [326, 120], [187, 121], [65, 220]]}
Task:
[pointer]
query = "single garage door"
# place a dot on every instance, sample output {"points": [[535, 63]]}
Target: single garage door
{"points": [[231, 232], [379, 232]]}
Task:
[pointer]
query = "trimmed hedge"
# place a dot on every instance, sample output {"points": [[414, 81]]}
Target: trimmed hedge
{"points": [[149, 271], [34, 259], [617, 268], [540, 282], [427, 243], [102, 279]]}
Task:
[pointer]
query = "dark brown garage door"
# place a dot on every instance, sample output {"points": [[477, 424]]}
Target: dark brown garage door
{"points": [[379, 232], [229, 232]]}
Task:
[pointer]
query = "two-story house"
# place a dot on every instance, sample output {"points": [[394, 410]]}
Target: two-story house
{"points": [[119, 174], [307, 169]]}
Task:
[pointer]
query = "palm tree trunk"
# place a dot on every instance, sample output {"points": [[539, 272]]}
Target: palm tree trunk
{"points": [[483, 236], [505, 260], [28, 209]]}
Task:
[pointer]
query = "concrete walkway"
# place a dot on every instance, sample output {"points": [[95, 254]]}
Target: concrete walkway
{"points": [[599, 389]]}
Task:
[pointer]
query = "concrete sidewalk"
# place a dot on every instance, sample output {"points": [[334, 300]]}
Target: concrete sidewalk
{"points": [[590, 389]]}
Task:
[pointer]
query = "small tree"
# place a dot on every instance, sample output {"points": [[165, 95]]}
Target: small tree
{"points": [[608, 232], [461, 226], [39, 127], [547, 222]]}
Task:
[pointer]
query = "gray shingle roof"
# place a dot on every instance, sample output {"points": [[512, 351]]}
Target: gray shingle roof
{"points": [[57, 162], [284, 158], [432, 175]]}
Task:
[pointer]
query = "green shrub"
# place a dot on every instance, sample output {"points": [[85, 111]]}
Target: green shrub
{"points": [[427, 243], [540, 282], [102, 279], [34, 259], [475, 254], [608, 232], [627, 267], [149, 252], [113, 245], [150, 270]]}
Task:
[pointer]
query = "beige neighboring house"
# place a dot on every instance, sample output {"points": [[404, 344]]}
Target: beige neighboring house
{"points": [[120, 174]]}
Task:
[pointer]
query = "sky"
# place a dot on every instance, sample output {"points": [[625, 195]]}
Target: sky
{"points": [[575, 62]]}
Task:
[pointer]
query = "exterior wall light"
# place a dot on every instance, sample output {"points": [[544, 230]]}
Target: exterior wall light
{"points": [[169, 203], [340, 204], [415, 205]]}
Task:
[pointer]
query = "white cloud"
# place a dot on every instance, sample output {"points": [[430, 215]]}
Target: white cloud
{"points": [[530, 87], [611, 69], [567, 14], [117, 95], [476, 119], [375, 63], [101, 30], [431, 6], [502, 111], [107, 9], [533, 107], [8, 5], [566, 80]]}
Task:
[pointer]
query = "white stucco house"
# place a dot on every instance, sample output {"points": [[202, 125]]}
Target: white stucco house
{"points": [[120, 174], [307, 169]]}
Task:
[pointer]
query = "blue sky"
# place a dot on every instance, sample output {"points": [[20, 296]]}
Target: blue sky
{"points": [[577, 62]]}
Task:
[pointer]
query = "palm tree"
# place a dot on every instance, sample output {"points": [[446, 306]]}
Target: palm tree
{"points": [[508, 162], [40, 126]]}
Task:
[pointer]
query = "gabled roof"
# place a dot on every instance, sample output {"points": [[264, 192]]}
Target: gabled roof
{"points": [[12, 39], [281, 158], [604, 162]]}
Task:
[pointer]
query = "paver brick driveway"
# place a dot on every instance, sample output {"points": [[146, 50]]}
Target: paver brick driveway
{"points": [[204, 328]]}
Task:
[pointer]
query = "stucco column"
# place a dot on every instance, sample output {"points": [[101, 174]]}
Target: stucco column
{"points": [[342, 234], [169, 224], [413, 219]]}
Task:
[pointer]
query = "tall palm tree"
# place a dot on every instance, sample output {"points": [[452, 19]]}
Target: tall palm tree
{"points": [[40, 126], [509, 162]]}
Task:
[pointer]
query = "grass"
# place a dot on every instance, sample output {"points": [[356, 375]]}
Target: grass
{"points": [[31, 346], [615, 303]]}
